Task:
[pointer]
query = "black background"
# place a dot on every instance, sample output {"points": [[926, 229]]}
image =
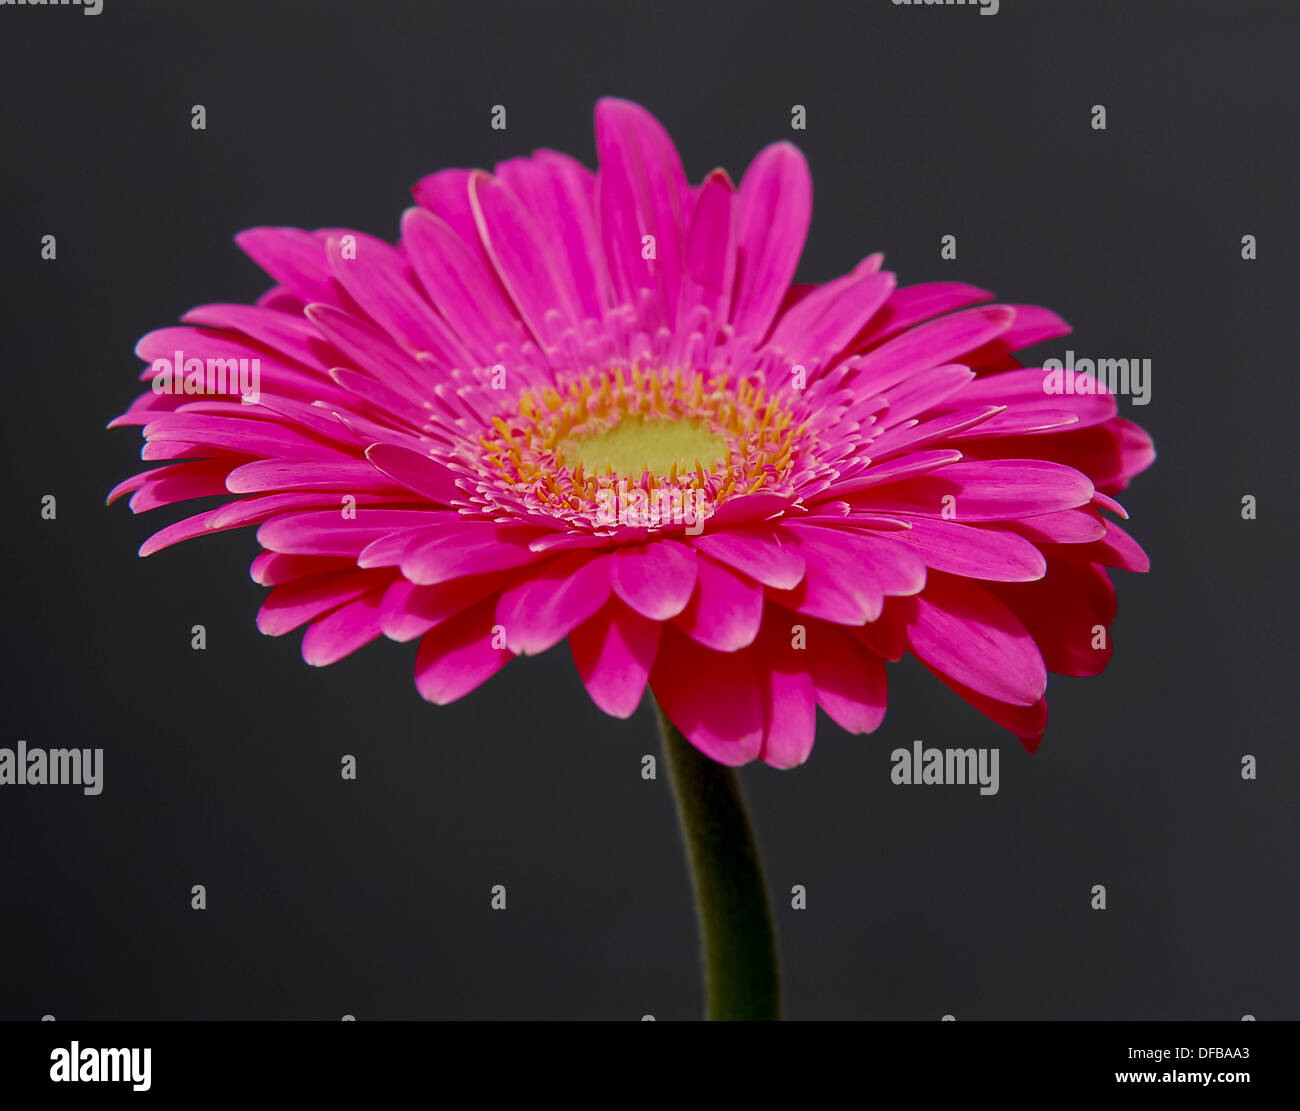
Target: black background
{"points": [[372, 898]]}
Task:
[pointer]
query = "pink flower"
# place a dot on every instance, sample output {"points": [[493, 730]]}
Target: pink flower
{"points": [[594, 406]]}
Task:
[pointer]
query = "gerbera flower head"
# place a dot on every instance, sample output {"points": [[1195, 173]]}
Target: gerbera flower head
{"points": [[594, 406]]}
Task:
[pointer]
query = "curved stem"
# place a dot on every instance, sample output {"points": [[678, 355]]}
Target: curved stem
{"points": [[737, 939]]}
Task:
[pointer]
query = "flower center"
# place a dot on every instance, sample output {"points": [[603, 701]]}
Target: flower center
{"points": [[618, 431], [639, 444]]}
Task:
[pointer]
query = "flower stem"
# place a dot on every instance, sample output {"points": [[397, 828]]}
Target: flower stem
{"points": [[737, 940]]}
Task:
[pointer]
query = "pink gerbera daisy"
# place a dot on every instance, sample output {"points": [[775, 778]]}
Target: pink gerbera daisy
{"points": [[593, 406]]}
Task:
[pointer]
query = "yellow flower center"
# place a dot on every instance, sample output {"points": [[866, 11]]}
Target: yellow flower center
{"points": [[657, 431], [639, 444]]}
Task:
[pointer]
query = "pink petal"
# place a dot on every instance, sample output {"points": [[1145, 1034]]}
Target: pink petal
{"points": [[714, 698], [178, 482], [775, 209], [1117, 549], [378, 397], [277, 372], [1026, 722], [459, 655], [710, 263], [789, 710], [928, 345], [914, 303], [419, 473], [1032, 325], [465, 292], [1023, 390], [848, 678], [895, 470], [961, 629], [873, 565], [925, 391], [446, 195], [614, 651], [329, 533], [351, 476], [978, 553], [368, 348], [1063, 612], [249, 437], [296, 259], [293, 604], [760, 554], [641, 189], [281, 300], [274, 568], [342, 632], [409, 610], [1109, 453], [559, 193], [389, 549], [911, 437], [824, 322], [725, 611], [267, 507], [187, 529], [1065, 526], [655, 579], [379, 280], [290, 335], [887, 635], [749, 508], [516, 249], [475, 549], [992, 490], [556, 598]]}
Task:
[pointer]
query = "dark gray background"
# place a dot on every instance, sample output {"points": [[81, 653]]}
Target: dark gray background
{"points": [[371, 898]]}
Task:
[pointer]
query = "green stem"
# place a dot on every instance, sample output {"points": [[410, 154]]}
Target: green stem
{"points": [[737, 939]]}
